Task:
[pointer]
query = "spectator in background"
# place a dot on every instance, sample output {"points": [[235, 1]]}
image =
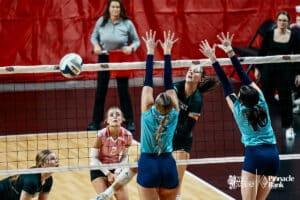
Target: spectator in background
{"points": [[114, 33], [296, 94], [279, 41], [29, 186]]}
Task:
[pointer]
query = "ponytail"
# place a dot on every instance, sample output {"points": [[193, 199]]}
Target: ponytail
{"points": [[207, 85], [257, 117]]}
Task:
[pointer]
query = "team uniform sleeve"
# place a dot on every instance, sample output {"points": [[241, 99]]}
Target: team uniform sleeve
{"points": [[48, 185], [31, 184]]}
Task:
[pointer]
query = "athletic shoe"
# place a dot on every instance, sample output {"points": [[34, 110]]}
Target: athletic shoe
{"points": [[102, 196]]}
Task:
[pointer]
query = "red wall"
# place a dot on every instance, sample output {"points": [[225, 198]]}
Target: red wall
{"points": [[41, 31]]}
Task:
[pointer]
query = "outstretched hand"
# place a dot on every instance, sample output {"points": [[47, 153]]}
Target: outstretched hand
{"points": [[168, 42], [226, 41], [207, 50], [150, 42]]}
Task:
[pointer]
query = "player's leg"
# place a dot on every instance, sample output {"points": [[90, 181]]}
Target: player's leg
{"points": [[180, 155], [182, 145], [148, 178], [121, 180], [169, 177], [99, 181], [271, 161], [263, 188], [249, 184], [147, 193], [167, 194], [122, 193]]}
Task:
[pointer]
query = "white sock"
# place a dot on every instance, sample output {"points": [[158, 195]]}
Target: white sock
{"points": [[178, 197], [109, 191]]}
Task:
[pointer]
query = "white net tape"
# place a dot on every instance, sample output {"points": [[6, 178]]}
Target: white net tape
{"points": [[200, 161], [140, 65]]}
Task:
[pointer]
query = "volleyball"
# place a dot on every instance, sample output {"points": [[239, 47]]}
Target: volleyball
{"points": [[71, 65]]}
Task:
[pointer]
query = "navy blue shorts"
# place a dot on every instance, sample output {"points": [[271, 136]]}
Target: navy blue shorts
{"points": [[157, 171], [262, 160]]}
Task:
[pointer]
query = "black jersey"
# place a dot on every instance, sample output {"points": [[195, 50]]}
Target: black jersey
{"points": [[192, 104], [30, 183]]}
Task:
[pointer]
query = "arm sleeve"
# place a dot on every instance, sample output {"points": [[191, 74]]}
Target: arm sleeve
{"points": [[168, 81], [223, 79], [149, 71], [48, 185], [31, 184], [245, 79]]}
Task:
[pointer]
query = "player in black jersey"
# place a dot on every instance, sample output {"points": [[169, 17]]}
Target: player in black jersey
{"points": [[189, 92], [29, 186]]}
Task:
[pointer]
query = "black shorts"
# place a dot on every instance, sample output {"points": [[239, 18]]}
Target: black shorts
{"points": [[182, 142], [98, 173]]}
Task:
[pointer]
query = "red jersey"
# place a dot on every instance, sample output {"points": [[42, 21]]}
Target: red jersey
{"points": [[112, 149]]}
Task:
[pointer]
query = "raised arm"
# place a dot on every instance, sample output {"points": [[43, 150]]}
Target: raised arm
{"points": [[226, 41], [209, 52], [147, 99], [167, 45]]}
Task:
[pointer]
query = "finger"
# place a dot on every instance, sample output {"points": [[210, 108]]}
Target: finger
{"points": [[219, 38], [231, 38], [201, 51], [147, 35], [154, 35], [175, 40], [222, 35], [144, 39], [228, 36], [173, 35], [214, 46], [207, 44], [165, 35], [203, 43]]}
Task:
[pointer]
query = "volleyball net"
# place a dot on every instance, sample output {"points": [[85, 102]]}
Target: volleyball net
{"points": [[54, 115]]}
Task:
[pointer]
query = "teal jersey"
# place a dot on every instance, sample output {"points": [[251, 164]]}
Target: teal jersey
{"points": [[264, 135], [150, 121]]}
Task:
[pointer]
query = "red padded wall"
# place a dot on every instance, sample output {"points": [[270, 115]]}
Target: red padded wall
{"points": [[41, 32]]}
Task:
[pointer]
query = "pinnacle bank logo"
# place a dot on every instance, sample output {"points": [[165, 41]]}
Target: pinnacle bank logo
{"points": [[278, 182]]}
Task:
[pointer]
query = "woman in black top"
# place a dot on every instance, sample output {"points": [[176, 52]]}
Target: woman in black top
{"points": [[29, 186], [277, 76]]}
